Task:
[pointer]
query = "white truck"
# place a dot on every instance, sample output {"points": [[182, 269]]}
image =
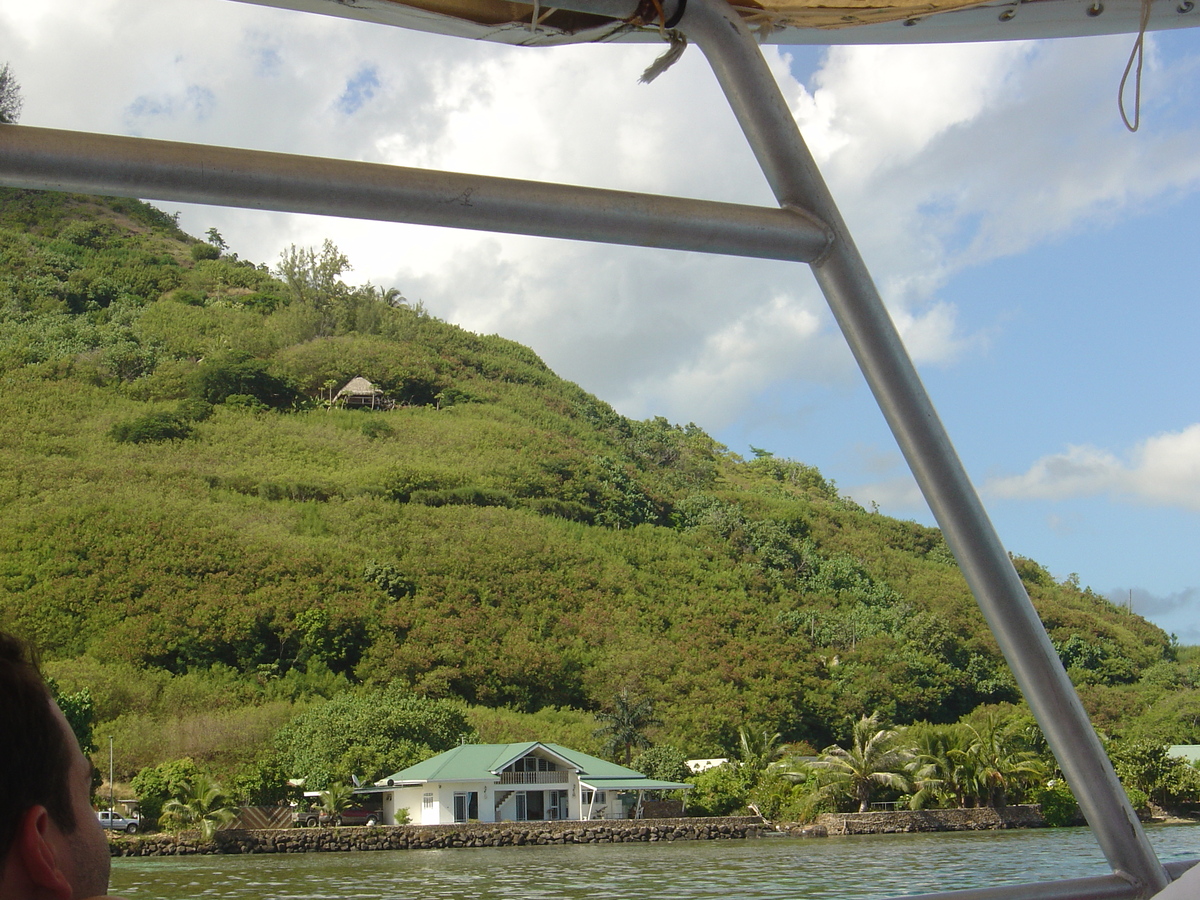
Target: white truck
{"points": [[117, 822]]}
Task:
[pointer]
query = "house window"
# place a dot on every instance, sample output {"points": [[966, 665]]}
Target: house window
{"points": [[590, 797], [534, 764], [427, 801]]}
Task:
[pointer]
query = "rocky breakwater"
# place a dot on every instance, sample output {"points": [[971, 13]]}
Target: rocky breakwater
{"points": [[441, 837], [905, 820]]}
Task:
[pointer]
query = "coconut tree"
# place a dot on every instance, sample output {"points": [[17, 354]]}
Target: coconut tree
{"points": [[999, 763], [203, 806], [940, 769], [624, 727], [335, 799], [758, 750], [876, 758]]}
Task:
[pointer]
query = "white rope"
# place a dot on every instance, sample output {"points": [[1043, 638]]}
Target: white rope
{"points": [[1138, 53], [668, 59]]}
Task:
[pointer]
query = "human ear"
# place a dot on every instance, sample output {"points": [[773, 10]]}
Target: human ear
{"points": [[36, 842]]}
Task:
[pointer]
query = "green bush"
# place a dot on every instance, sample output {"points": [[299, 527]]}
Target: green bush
{"points": [[1058, 804], [563, 509], [721, 791], [155, 785], [205, 251], [664, 763], [246, 401], [377, 428], [463, 496], [222, 378], [151, 429]]}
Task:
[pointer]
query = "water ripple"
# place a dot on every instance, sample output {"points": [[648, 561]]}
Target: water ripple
{"points": [[849, 868]]}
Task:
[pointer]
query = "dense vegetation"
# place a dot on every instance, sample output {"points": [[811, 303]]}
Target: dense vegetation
{"points": [[196, 536]]}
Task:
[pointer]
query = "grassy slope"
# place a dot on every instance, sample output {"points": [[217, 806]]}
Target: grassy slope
{"points": [[275, 557]]}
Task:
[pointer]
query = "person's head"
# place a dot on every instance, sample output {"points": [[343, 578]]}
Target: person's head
{"points": [[51, 843]]}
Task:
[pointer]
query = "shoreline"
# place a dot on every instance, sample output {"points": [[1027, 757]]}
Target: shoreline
{"points": [[439, 837], [516, 834], [907, 821]]}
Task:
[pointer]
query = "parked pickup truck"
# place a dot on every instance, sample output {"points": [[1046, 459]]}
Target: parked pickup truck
{"points": [[353, 815], [306, 818], [117, 822]]}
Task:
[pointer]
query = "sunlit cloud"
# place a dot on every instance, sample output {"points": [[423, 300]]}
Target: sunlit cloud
{"points": [[1163, 470]]}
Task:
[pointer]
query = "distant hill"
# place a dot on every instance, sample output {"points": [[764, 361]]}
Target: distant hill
{"points": [[182, 501]]}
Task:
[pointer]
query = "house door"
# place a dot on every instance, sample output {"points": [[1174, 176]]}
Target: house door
{"points": [[531, 806], [558, 805], [466, 805]]}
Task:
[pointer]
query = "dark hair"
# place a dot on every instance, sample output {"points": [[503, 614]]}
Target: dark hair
{"points": [[35, 756]]}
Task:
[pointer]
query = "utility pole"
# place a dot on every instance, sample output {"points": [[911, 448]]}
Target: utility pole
{"points": [[110, 776]]}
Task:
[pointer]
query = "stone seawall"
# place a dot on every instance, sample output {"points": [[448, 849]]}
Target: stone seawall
{"points": [[440, 837], [905, 820]]}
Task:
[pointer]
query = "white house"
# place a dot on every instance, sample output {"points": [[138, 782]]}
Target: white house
{"points": [[526, 782]]}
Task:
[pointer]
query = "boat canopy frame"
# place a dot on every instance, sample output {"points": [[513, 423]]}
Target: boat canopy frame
{"points": [[807, 227]]}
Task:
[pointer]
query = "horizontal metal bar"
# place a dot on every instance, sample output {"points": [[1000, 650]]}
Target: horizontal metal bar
{"points": [[1100, 887], [48, 159]]}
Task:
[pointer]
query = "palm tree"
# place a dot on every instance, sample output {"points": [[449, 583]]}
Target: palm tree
{"points": [[999, 766], [940, 767], [204, 806], [758, 750], [875, 758], [624, 726], [335, 798]]}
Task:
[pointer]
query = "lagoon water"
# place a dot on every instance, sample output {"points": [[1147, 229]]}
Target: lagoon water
{"points": [[773, 868]]}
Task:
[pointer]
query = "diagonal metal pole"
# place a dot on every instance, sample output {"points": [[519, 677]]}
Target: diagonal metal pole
{"points": [[842, 275]]}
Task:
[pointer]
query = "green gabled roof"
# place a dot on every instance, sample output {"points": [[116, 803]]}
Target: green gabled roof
{"points": [[482, 762], [466, 762]]}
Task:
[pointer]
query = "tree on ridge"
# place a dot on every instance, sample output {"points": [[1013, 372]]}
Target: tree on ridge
{"points": [[10, 96], [624, 727]]}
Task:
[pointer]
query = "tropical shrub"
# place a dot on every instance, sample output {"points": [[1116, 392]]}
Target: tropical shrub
{"points": [[370, 734], [1058, 804]]}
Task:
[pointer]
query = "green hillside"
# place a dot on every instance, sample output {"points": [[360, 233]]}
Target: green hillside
{"points": [[192, 534]]}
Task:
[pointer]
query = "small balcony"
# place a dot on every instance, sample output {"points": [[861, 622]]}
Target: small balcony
{"points": [[533, 777]]}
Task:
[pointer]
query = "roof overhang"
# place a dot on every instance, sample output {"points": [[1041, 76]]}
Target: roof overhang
{"points": [[632, 784]]}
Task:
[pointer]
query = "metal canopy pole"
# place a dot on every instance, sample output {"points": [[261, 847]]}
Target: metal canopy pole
{"points": [[793, 175], [47, 159]]}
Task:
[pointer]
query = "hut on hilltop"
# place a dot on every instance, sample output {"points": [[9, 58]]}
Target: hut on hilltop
{"points": [[358, 393]]}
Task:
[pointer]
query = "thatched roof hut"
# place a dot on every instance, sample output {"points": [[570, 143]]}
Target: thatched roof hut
{"points": [[358, 392]]}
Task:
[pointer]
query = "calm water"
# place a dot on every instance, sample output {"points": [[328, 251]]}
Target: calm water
{"points": [[776, 868]]}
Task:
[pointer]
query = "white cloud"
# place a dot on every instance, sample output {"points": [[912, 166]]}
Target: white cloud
{"points": [[893, 496], [1163, 470]]}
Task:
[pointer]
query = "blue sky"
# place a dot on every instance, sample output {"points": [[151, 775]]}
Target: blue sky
{"points": [[1038, 259]]}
